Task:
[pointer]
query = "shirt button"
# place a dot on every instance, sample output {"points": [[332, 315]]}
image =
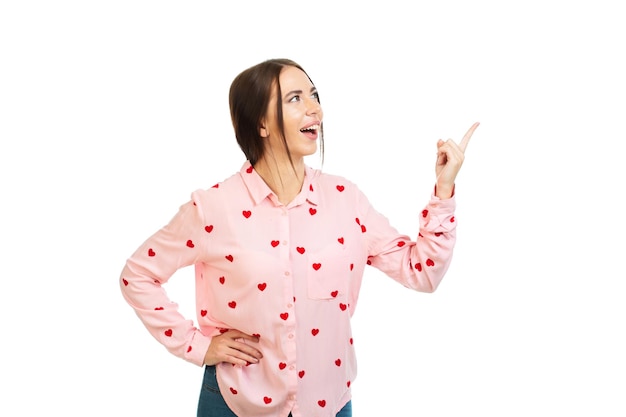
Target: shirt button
{"points": [[289, 305], [291, 368], [286, 273], [290, 335], [284, 242]]}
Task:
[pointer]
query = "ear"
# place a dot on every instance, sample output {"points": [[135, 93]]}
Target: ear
{"points": [[263, 132]]}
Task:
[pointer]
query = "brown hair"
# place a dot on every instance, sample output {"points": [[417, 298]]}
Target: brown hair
{"points": [[249, 99]]}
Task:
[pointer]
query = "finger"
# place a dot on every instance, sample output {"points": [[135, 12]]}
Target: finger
{"points": [[468, 136], [232, 347], [237, 353], [448, 150], [239, 341], [247, 350], [442, 158], [238, 358], [237, 334]]}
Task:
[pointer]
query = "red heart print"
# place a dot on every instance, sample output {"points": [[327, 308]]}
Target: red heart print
{"points": [[233, 391], [424, 213], [452, 219], [401, 243], [348, 384], [300, 250], [249, 169], [301, 374], [312, 211], [232, 304], [363, 229], [338, 362], [311, 187], [340, 240], [190, 244], [314, 332], [334, 293], [158, 308], [188, 349], [438, 234], [267, 400], [216, 186], [168, 333], [351, 341], [322, 403], [203, 313], [275, 243], [151, 252], [246, 213], [343, 306], [208, 228], [125, 281], [317, 266], [429, 262], [229, 257], [284, 316], [340, 188], [222, 280], [256, 335], [262, 286], [282, 365], [351, 267], [418, 266], [222, 330]]}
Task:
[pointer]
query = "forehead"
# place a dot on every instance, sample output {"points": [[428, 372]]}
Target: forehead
{"points": [[292, 78]]}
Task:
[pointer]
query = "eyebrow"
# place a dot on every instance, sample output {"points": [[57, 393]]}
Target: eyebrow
{"points": [[313, 89]]}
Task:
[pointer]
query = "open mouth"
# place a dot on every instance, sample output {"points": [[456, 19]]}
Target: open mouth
{"points": [[311, 131]]}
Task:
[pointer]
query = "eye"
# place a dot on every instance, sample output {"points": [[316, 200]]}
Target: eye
{"points": [[316, 96], [294, 99]]}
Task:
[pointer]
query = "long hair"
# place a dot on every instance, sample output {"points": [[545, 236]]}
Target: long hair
{"points": [[249, 98]]}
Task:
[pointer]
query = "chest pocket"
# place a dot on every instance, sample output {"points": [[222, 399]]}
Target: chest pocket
{"points": [[328, 273]]}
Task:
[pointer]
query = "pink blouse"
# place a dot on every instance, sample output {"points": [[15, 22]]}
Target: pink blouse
{"points": [[289, 274]]}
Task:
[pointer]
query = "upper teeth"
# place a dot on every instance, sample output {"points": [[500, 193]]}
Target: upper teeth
{"points": [[313, 127]]}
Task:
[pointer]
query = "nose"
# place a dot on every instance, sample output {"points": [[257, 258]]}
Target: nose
{"points": [[313, 106]]}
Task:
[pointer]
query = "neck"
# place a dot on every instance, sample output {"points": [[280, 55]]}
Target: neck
{"points": [[283, 179]]}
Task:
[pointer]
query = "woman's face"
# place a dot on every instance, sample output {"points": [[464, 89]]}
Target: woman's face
{"points": [[302, 115]]}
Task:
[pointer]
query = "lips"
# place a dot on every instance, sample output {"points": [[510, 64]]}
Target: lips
{"points": [[311, 130]]}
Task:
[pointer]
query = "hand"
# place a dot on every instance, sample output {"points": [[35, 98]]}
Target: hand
{"points": [[231, 347], [449, 160]]}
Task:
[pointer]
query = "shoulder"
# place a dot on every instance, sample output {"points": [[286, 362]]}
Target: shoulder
{"points": [[219, 190], [333, 182]]}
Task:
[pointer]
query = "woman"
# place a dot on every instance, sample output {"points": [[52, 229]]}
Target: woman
{"points": [[279, 251]]}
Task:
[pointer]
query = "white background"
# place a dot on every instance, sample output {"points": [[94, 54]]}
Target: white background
{"points": [[112, 113]]}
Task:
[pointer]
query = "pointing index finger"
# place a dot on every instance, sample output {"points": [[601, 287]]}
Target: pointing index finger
{"points": [[468, 135]]}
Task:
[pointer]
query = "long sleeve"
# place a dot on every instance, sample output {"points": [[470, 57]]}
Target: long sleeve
{"points": [[419, 263], [289, 274], [175, 246]]}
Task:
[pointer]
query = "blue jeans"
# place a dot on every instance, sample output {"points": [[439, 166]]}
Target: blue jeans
{"points": [[212, 404]]}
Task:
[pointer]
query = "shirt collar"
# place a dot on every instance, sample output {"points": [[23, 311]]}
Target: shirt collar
{"points": [[259, 190]]}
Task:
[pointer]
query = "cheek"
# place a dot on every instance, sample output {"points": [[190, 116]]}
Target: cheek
{"points": [[291, 123]]}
